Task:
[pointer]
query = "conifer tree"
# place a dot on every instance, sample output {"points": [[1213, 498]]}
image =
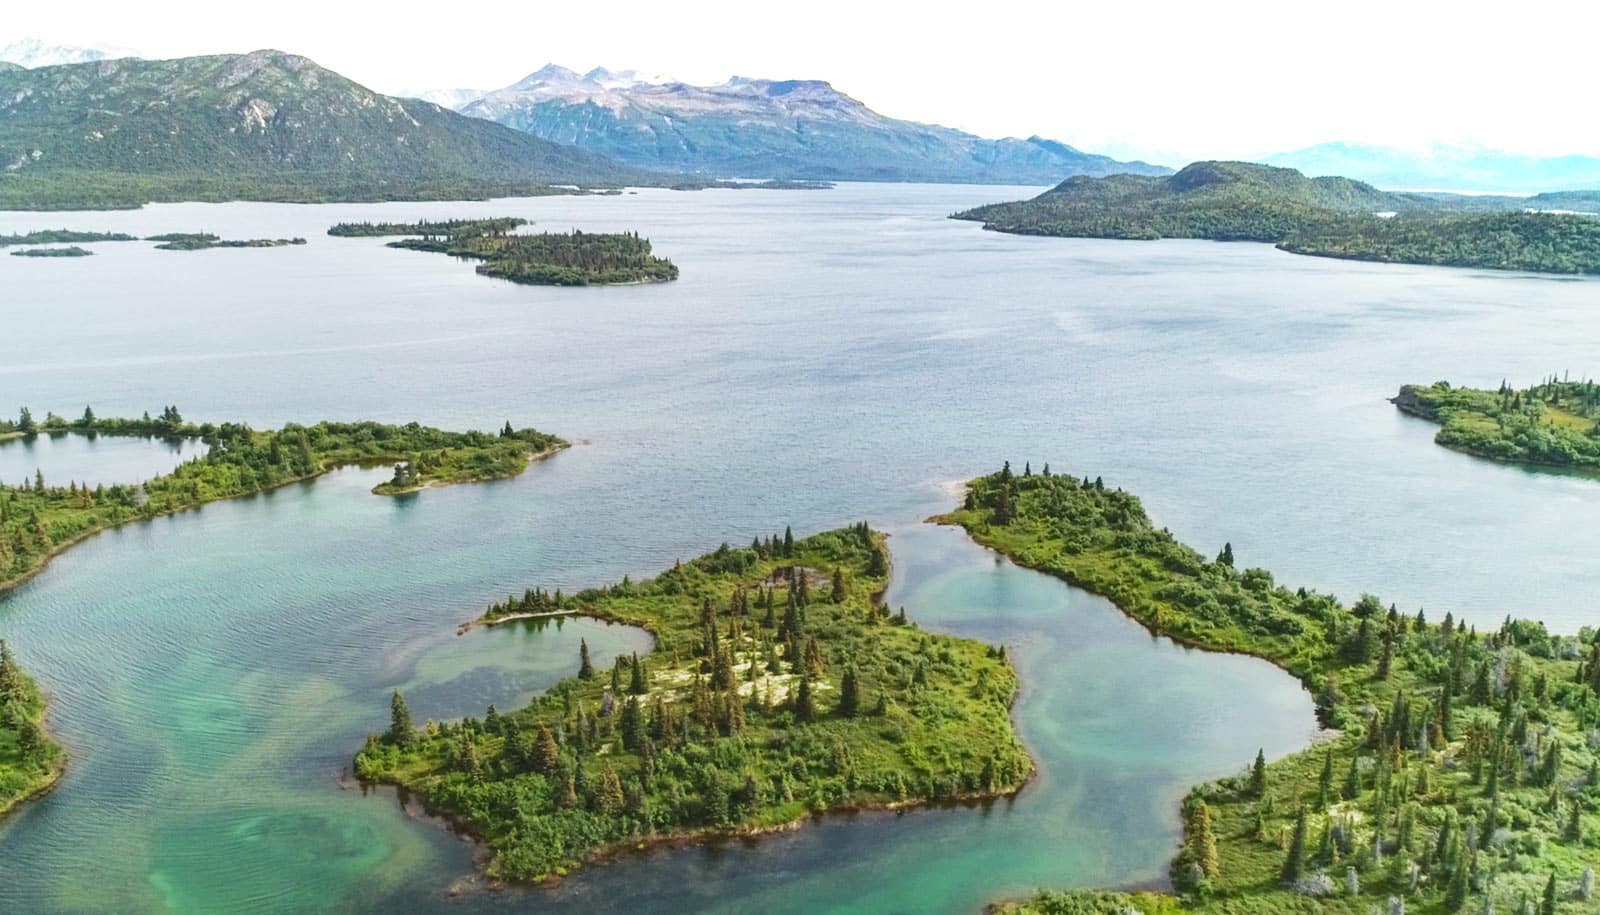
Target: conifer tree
{"points": [[546, 754], [585, 666], [636, 684], [1294, 863], [1205, 838], [849, 694], [837, 593], [1258, 775], [401, 731], [805, 706]]}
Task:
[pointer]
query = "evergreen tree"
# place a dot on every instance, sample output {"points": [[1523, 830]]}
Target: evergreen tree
{"points": [[1325, 781], [838, 591], [546, 754], [585, 666], [849, 694], [401, 731], [1225, 558], [1258, 775], [636, 684], [1549, 906], [1294, 863], [805, 706]]}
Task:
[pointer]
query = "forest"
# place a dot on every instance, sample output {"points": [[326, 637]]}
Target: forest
{"points": [[39, 517], [1324, 217], [30, 761], [1459, 770], [1537, 242], [1555, 422], [779, 687], [60, 236], [573, 258]]}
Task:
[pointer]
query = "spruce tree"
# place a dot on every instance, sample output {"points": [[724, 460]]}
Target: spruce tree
{"points": [[546, 754], [585, 666], [805, 706], [1549, 906], [838, 591], [401, 731], [1258, 775], [1205, 838], [1294, 863], [849, 694], [636, 684]]}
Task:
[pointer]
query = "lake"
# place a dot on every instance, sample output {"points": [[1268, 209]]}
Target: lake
{"points": [[826, 357]]}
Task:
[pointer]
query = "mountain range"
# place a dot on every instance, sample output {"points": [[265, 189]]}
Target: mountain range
{"points": [[263, 125], [1446, 168], [34, 52], [760, 128]]}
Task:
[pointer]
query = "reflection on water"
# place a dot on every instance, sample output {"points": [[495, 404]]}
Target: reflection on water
{"points": [[94, 459]]}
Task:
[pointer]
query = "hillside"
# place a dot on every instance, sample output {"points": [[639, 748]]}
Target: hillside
{"points": [[264, 125], [1327, 217], [1225, 201], [758, 128]]}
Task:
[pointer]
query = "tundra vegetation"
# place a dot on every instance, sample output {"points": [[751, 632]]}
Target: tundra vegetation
{"points": [[1554, 423], [1460, 770], [779, 687]]}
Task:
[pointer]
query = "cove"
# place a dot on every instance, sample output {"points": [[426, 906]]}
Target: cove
{"points": [[92, 459]]}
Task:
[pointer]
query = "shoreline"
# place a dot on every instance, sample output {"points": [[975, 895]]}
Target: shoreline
{"points": [[11, 584], [531, 457], [705, 835], [1408, 404]]}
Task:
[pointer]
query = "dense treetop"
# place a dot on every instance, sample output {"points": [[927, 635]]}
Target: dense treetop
{"points": [[30, 761], [1461, 770], [778, 687], [573, 258]]}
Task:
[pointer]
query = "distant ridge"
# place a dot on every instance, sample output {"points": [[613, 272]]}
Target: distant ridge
{"points": [[760, 128], [263, 125]]}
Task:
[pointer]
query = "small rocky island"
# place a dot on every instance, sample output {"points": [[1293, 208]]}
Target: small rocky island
{"points": [[573, 258]]}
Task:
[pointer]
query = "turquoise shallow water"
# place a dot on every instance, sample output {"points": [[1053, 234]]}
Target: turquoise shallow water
{"points": [[826, 357]]}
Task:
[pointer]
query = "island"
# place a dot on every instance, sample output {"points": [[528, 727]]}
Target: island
{"points": [[1555, 423], [200, 241], [548, 259], [39, 519], [60, 237], [1458, 772], [779, 687], [69, 251], [1325, 217], [30, 761]]}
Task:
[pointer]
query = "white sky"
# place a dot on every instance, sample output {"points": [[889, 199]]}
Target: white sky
{"points": [[1171, 81]]}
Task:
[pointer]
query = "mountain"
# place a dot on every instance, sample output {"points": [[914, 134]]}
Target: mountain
{"points": [[1326, 217], [1226, 201], [264, 125], [1448, 168], [454, 99], [32, 52], [758, 128]]}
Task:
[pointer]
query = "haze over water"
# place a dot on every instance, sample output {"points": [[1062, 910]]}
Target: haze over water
{"points": [[826, 357]]}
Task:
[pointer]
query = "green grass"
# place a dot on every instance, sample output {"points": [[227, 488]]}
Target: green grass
{"points": [[1382, 681], [1553, 423], [725, 742]]}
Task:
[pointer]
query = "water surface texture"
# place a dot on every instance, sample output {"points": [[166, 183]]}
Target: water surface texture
{"points": [[826, 357]]}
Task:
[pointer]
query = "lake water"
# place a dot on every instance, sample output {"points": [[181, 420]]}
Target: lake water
{"points": [[826, 357]]}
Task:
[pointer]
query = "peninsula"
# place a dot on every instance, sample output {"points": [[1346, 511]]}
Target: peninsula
{"points": [[1325, 217], [1458, 770], [1552, 424], [779, 688], [30, 761], [548, 259], [39, 519]]}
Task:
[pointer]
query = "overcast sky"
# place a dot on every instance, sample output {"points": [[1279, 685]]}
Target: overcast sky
{"points": [[1171, 81]]}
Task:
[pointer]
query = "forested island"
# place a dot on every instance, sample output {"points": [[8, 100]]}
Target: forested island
{"points": [[30, 761], [1459, 771], [69, 251], [1554, 423], [200, 241], [61, 236], [1325, 217], [548, 259], [39, 518], [779, 687]]}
